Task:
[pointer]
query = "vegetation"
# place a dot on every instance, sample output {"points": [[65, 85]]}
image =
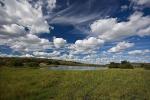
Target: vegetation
{"points": [[126, 65], [30, 62], [43, 84], [113, 65], [122, 65], [41, 62], [24, 79], [145, 66]]}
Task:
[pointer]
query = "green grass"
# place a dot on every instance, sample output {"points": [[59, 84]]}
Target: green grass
{"points": [[43, 84]]}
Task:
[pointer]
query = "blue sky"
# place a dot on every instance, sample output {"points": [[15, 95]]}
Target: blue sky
{"points": [[89, 31]]}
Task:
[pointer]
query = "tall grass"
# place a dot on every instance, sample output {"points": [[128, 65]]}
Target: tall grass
{"points": [[43, 84]]}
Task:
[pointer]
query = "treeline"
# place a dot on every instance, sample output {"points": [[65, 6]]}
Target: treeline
{"points": [[146, 66], [128, 65], [36, 62]]}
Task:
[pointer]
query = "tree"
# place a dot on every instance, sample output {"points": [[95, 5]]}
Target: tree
{"points": [[2, 63], [113, 65], [15, 63], [146, 66], [32, 64], [125, 65]]}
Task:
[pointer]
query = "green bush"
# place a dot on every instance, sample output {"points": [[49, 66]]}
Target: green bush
{"points": [[17, 63], [146, 66], [14, 63], [123, 65], [2, 63], [126, 65], [32, 64], [113, 65]]}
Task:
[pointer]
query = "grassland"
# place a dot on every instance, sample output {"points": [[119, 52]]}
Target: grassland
{"points": [[43, 84]]}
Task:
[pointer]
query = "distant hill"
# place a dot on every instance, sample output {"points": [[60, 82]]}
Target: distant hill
{"points": [[24, 61]]}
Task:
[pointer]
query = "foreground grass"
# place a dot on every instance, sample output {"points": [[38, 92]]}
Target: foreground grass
{"points": [[43, 84]]}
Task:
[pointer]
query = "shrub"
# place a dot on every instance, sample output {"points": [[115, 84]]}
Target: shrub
{"points": [[126, 65], [14, 63], [32, 64], [113, 65], [2, 63], [146, 66], [142, 65], [17, 63], [56, 63], [123, 65], [50, 62]]}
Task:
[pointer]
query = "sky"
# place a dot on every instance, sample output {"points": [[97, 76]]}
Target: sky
{"points": [[88, 31]]}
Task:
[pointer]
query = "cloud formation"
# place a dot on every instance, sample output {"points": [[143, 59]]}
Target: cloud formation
{"points": [[110, 29], [88, 44], [141, 2], [28, 43], [23, 22], [139, 52], [16, 15], [121, 46], [46, 55], [59, 42]]}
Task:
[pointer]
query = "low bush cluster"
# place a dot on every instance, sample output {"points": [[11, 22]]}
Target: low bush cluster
{"points": [[18, 62], [145, 66], [123, 65]]}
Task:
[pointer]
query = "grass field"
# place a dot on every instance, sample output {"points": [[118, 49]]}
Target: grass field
{"points": [[43, 84]]}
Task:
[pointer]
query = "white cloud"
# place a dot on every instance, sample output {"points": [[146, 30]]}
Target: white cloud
{"points": [[46, 55], [85, 45], [18, 14], [12, 29], [27, 43], [51, 4], [121, 46], [59, 42], [33, 39], [15, 17], [139, 52], [110, 29], [144, 32], [27, 55], [141, 2], [103, 25], [66, 57]]}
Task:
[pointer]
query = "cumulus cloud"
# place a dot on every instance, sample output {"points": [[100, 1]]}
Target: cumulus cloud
{"points": [[19, 23], [110, 29], [59, 42], [139, 52], [12, 29], [16, 15], [121, 46], [47, 55], [27, 43], [20, 20], [85, 45], [27, 55], [144, 32], [66, 57]]}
